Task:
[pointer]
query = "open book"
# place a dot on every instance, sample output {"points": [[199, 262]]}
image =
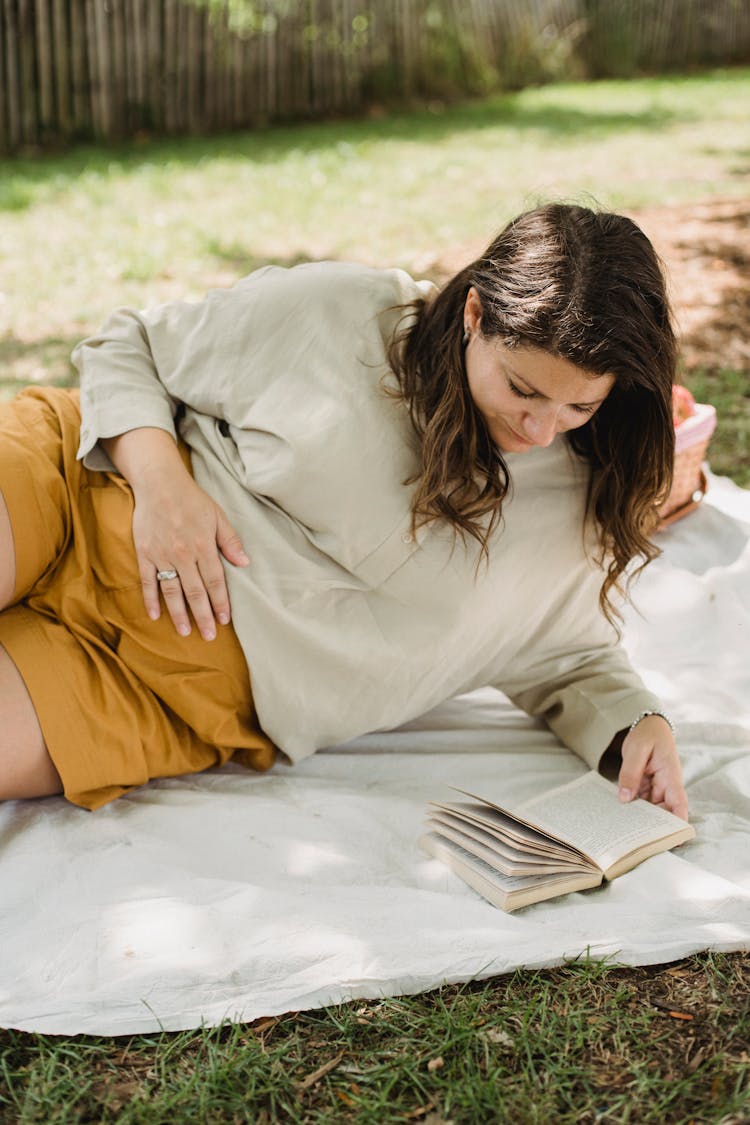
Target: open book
{"points": [[568, 839]]}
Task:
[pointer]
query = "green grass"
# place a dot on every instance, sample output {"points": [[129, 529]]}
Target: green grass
{"points": [[90, 229], [729, 392], [583, 1044], [85, 231]]}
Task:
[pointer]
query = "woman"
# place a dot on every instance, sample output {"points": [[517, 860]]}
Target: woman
{"points": [[436, 491]]}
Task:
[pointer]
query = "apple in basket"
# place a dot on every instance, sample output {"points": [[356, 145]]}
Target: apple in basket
{"points": [[694, 422], [683, 404]]}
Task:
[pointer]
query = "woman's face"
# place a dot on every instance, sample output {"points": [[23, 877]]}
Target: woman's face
{"points": [[525, 395]]}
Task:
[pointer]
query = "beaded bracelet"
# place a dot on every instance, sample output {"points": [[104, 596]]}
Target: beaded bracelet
{"points": [[645, 715]]}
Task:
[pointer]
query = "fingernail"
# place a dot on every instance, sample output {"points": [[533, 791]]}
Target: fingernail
{"points": [[209, 634], [243, 559], [154, 614], [223, 618], [624, 794], [183, 630]]}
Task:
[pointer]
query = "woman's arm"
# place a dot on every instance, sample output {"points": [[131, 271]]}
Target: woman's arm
{"points": [[134, 376], [176, 526], [590, 701]]}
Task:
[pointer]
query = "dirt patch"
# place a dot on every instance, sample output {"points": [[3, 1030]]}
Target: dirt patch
{"points": [[706, 248]]}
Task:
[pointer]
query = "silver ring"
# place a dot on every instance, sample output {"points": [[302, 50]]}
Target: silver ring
{"points": [[165, 575]]}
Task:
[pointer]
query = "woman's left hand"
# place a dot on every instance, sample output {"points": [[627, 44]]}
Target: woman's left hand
{"points": [[651, 766]]}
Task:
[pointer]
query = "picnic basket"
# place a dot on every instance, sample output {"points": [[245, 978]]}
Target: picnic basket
{"points": [[694, 423]]}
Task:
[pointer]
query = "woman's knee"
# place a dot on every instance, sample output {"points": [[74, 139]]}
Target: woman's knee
{"points": [[26, 768]]}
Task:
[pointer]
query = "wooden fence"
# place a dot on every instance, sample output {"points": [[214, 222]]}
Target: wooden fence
{"points": [[109, 69]]}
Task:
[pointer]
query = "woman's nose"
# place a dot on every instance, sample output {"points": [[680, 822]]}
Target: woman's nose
{"points": [[540, 425]]}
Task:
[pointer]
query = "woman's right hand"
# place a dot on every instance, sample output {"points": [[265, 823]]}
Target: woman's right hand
{"points": [[176, 526], [651, 766]]}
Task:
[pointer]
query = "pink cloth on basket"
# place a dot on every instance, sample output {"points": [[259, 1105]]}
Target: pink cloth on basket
{"points": [[698, 427]]}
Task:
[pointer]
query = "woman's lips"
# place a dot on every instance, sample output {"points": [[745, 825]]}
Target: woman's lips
{"points": [[518, 436]]}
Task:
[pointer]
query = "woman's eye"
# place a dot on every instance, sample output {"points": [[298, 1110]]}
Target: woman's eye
{"points": [[517, 390]]}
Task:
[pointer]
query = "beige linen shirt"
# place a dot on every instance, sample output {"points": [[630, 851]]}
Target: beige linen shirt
{"points": [[350, 623]]}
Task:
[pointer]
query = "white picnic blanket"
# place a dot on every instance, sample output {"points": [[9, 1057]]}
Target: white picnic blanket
{"points": [[232, 895]]}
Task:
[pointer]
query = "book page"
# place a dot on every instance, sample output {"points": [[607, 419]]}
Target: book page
{"points": [[505, 891], [431, 843], [514, 832], [536, 848], [508, 860], [589, 812]]}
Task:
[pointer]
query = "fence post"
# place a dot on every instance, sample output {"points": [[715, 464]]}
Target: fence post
{"points": [[62, 83], [27, 85], [44, 68]]}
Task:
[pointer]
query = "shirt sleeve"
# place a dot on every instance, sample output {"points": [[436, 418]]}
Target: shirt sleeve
{"points": [[217, 356], [142, 365], [120, 386], [586, 698]]}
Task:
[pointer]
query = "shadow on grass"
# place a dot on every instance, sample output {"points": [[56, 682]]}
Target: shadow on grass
{"points": [[42, 362], [22, 178], [242, 261], [45, 360]]}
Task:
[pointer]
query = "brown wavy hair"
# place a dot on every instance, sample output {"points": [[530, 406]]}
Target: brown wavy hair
{"points": [[580, 284]]}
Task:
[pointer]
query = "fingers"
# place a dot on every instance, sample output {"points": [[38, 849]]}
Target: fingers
{"points": [[189, 539], [203, 586], [151, 593], [632, 778], [229, 542], [667, 790], [675, 800], [200, 591], [188, 591], [651, 767]]}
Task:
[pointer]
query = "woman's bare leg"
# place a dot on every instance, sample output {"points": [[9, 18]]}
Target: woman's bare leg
{"points": [[26, 769], [7, 557]]}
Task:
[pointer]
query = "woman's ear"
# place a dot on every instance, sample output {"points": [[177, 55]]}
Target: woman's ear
{"points": [[472, 312]]}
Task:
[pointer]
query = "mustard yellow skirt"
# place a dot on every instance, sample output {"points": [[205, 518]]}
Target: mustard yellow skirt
{"points": [[120, 698]]}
